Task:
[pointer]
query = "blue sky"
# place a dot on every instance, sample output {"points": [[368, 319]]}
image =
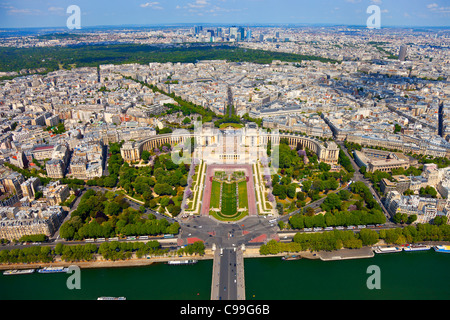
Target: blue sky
{"points": [[52, 13]]}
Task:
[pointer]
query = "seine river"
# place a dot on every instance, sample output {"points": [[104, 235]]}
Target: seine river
{"points": [[405, 275]]}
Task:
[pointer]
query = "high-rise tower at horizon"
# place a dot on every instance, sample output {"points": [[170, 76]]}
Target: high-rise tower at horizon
{"points": [[402, 53]]}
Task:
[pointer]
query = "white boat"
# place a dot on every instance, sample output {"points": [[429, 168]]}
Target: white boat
{"points": [[111, 298], [53, 270], [417, 247], [175, 262], [387, 249], [444, 249], [22, 271]]}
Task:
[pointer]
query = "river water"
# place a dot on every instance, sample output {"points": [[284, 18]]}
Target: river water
{"points": [[405, 275]]}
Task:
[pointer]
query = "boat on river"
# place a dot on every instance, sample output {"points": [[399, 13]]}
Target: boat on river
{"points": [[53, 270], [444, 249], [387, 249], [291, 257], [176, 262], [14, 271], [417, 247]]}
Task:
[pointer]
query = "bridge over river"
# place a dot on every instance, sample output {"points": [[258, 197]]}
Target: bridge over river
{"points": [[228, 281]]}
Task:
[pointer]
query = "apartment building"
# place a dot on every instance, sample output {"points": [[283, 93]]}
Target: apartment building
{"points": [[30, 221]]}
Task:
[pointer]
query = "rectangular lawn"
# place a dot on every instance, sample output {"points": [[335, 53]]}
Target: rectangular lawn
{"points": [[215, 195], [243, 200], [229, 202]]}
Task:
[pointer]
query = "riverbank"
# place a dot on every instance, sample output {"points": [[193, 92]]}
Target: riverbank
{"points": [[342, 254], [250, 252], [101, 263], [140, 262]]}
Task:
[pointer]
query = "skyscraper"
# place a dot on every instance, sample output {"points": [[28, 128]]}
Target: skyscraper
{"points": [[198, 29], [241, 34], [402, 53], [249, 34], [233, 32], [441, 120]]}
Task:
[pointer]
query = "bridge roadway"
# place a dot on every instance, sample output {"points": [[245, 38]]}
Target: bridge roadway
{"points": [[228, 281]]}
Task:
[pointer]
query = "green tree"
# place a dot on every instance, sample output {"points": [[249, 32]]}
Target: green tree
{"points": [[331, 202], [291, 191], [145, 155], [112, 209], [306, 185], [368, 237], [163, 189]]}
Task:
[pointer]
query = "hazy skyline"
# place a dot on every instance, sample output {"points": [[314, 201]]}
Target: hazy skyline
{"points": [[52, 13]]}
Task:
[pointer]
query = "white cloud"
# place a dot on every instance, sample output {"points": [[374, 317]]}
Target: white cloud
{"points": [[154, 5], [198, 4], [30, 12], [205, 7], [57, 10], [434, 7]]}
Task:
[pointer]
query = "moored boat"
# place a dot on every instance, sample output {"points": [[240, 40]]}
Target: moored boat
{"points": [[182, 262], [21, 271], [291, 257], [53, 270], [111, 298], [444, 249], [387, 249], [417, 247]]}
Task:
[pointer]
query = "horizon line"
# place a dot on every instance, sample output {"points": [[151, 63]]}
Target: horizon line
{"points": [[291, 24]]}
